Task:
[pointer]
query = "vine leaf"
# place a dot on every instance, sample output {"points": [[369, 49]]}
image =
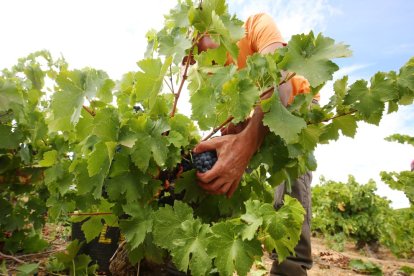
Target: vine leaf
{"points": [[231, 251], [369, 101], [9, 139], [9, 95], [280, 121], [187, 237], [282, 228], [239, 96], [136, 228], [148, 82], [92, 227], [49, 158], [310, 57]]}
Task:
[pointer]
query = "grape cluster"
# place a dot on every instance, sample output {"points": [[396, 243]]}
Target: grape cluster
{"points": [[204, 161]]}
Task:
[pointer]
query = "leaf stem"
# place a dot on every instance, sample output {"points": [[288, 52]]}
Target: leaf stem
{"points": [[89, 110], [169, 87], [171, 80], [228, 120], [334, 117]]}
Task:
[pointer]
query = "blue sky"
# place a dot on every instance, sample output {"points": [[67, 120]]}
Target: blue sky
{"points": [[379, 32], [110, 35]]}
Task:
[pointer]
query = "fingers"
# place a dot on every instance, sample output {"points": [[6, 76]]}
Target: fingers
{"points": [[210, 175], [214, 186], [232, 189], [206, 146]]}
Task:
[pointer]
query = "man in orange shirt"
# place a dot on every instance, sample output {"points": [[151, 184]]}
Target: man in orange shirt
{"points": [[238, 144]]}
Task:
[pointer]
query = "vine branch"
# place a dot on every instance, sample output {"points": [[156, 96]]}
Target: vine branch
{"points": [[180, 88], [11, 258], [90, 214]]}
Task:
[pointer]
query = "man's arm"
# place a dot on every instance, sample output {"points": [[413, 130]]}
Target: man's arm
{"points": [[235, 151]]}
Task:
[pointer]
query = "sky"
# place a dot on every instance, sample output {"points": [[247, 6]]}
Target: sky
{"points": [[110, 35]]}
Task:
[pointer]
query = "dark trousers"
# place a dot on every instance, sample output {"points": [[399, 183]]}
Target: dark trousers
{"points": [[299, 264]]}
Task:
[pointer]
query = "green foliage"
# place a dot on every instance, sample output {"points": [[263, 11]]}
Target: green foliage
{"points": [[71, 262], [349, 209], [67, 147], [365, 267], [400, 227]]}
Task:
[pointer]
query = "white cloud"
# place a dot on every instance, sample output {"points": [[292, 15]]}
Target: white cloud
{"points": [[292, 17]]}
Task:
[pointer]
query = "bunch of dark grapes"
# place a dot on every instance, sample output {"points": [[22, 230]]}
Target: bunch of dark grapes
{"points": [[204, 161], [167, 194]]}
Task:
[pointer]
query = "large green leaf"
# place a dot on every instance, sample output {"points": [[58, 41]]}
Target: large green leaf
{"points": [[280, 121], [148, 82], [311, 57], [231, 252]]}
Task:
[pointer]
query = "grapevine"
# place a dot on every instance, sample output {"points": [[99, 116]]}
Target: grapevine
{"points": [[76, 141]]}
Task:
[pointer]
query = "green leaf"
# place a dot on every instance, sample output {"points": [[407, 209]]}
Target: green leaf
{"points": [[310, 57], [309, 137], [252, 218], [34, 244], [136, 228], [101, 158], [212, 56], [203, 105], [282, 228], [239, 97], [406, 75], [178, 16], [190, 244], [231, 251], [188, 182], [187, 237], [365, 267], [366, 101], [49, 158], [9, 95], [167, 221], [9, 139], [149, 81], [280, 121], [174, 44], [67, 103], [141, 153], [106, 124], [92, 227], [27, 269]]}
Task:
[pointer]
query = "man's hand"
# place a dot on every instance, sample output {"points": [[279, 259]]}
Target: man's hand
{"points": [[234, 129], [234, 153]]}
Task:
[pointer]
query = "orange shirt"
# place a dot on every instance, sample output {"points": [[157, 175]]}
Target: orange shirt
{"points": [[262, 31]]}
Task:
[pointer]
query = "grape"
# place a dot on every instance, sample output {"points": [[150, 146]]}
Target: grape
{"points": [[204, 161], [118, 148]]}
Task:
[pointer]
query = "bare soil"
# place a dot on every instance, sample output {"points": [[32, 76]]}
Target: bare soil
{"points": [[333, 263]]}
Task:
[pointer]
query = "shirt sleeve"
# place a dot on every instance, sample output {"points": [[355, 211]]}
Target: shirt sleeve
{"points": [[300, 85], [262, 31]]}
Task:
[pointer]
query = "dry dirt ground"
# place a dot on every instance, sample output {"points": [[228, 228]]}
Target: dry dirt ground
{"points": [[332, 263]]}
